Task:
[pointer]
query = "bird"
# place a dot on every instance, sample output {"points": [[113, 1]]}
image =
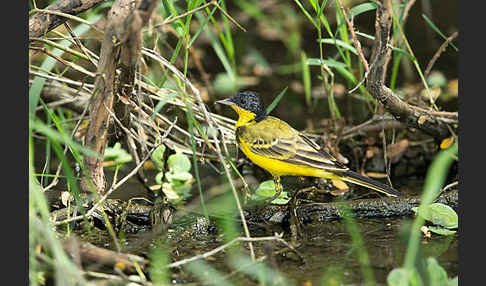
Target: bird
{"points": [[281, 150]]}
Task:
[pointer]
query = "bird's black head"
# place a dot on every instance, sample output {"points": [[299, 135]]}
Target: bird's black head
{"points": [[249, 101]]}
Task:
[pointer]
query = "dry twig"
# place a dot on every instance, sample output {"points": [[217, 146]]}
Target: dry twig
{"points": [[423, 120], [441, 49], [56, 14]]}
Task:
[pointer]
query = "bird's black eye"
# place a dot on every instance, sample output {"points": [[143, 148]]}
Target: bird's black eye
{"points": [[243, 101]]}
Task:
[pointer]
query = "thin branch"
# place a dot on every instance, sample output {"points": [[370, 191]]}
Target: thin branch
{"points": [[356, 43], [424, 120], [57, 13], [441, 49]]}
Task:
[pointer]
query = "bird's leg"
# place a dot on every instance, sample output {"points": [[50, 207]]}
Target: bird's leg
{"points": [[278, 188]]}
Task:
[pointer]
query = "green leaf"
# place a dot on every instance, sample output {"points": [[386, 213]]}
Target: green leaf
{"points": [[402, 276], [282, 199], [396, 276], [438, 214], [117, 154], [159, 177], [183, 190], [341, 44], [180, 176], [158, 157], [361, 8], [169, 192], [340, 67], [309, 17], [267, 190], [266, 186], [436, 79], [402, 51], [437, 274], [454, 281], [179, 163], [436, 29], [330, 63], [441, 230], [365, 35]]}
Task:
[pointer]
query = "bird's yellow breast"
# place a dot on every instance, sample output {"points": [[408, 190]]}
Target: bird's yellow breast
{"points": [[280, 168]]}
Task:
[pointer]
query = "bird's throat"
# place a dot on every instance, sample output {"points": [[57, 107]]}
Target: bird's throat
{"points": [[244, 117]]}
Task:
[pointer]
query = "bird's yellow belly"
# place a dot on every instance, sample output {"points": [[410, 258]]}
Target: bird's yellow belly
{"points": [[280, 168]]}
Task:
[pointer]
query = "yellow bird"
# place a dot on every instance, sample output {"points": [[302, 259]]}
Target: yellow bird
{"points": [[281, 150]]}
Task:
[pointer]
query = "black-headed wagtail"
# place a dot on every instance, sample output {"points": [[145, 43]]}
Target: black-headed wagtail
{"points": [[283, 151]]}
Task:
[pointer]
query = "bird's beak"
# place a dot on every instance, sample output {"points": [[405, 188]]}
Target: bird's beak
{"points": [[225, 101]]}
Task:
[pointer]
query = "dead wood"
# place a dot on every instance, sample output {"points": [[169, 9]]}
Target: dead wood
{"points": [[89, 254], [363, 208], [41, 23], [119, 42], [428, 121]]}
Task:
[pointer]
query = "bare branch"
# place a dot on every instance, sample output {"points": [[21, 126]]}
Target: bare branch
{"points": [[424, 120], [43, 22]]}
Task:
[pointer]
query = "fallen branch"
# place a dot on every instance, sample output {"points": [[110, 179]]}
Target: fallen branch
{"points": [[89, 254], [363, 208], [43, 22], [383, 207]]}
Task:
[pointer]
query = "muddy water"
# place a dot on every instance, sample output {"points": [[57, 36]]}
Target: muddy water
{"points": [[326, 247]]}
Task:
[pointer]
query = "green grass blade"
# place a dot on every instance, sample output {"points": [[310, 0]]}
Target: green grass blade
{"points": [[206, 273], [306, 78], [436, 29], [340, 43], [203, 25], [309, 17], [404, 52], [436, 176], [40, 127], [276, 100], [219, 52], [162, 102], [340, 67], [190, 121], [361, 8], [358, 244], [260, 271]]}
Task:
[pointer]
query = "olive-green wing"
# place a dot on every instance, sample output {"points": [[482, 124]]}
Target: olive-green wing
{"points": [[277, 140]]}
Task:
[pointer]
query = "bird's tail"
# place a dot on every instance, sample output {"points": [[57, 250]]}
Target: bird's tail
{"points": [[356, 178]]}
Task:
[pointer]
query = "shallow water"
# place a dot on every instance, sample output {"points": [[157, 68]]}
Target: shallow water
{"points": [[327, 247]]}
